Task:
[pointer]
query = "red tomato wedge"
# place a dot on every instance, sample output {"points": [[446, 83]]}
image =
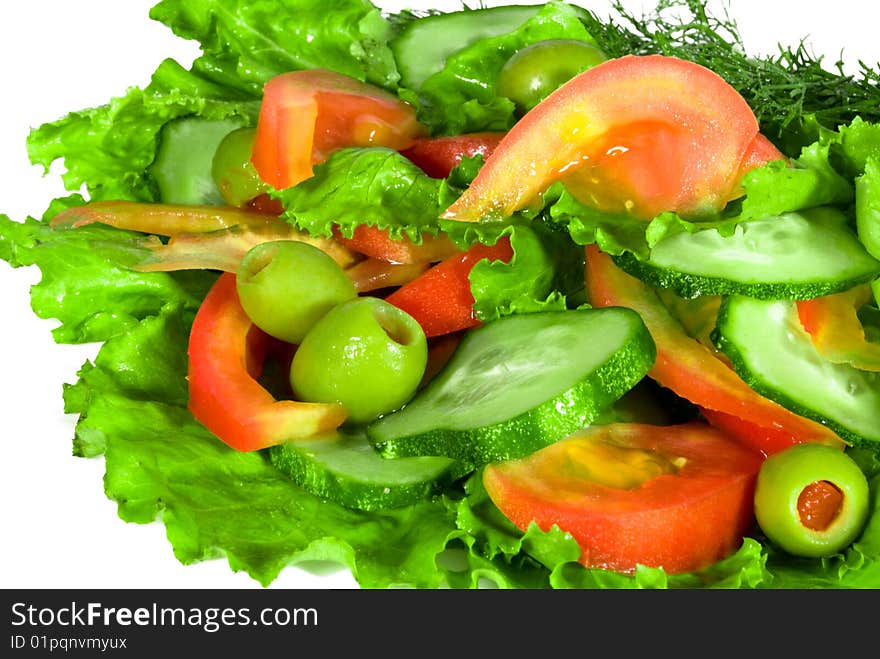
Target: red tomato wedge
{"points": [[378, 244], [833, 324], [637, 134], [226, 353], [441, 299], [760, 152], [690, 369], [438, 156], [306, 115], [674, 497]]}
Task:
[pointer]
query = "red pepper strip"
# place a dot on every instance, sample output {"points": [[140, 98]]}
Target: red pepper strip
{"points": [[767, 440], [226, 355], [160, 219], [689, 368], [441, 299], [377, 243], [833, 324], [438, 156]]}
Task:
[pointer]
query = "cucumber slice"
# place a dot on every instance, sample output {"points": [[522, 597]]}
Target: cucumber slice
{"points": [[794, 256], [347, 470], [520, 383], [422, 47], [182, 167], [771, 351]]}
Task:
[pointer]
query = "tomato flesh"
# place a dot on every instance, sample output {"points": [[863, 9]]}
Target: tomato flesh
{"points": [[691, 370], [675, 497], [226, 353], [307, 115], [638, 134]]}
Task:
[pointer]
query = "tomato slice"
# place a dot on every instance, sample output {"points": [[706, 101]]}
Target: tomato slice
{"points": [[675, 497], [438, 156], [306, 115], [760, 152], [690, 369], [637, 134], [833, 324], [441, 299], [226, 353]]}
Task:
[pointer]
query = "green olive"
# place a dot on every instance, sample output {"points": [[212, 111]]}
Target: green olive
{"points": [[534, 72], [811, 499], [232, 170], [366, 354], [286, 286]]}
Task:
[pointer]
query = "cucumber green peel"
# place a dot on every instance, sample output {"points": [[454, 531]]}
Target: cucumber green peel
{"points": [[794, 256], [346, 469], [519, 383], [772, 352]]}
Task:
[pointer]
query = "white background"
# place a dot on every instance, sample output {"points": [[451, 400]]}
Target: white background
{"points": [[57, 528]]}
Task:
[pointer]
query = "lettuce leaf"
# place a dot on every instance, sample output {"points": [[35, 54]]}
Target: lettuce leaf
{"points": [[108, 149], [461, 98], [365, 185], [545, 273], [244, 43], [86, 281]]}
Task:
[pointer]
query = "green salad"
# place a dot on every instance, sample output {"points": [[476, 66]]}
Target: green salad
{"points": [[516, 296]]}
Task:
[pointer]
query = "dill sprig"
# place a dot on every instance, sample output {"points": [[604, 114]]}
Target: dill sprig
{"points": [[784, 90]]}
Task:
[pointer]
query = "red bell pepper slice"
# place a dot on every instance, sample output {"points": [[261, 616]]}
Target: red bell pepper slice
{"points": [[691, 370], [226, 353], [441, 299], [378, 244], [438, 156]]}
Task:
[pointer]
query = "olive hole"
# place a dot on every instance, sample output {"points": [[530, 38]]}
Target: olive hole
{"points": [[819, 504], [396, 330], [259, 261]]}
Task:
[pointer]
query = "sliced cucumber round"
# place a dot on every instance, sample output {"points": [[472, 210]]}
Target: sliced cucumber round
{"points": [[772, 352], [520, 383], [346, 469], [182, 167], [423, 45], [794, 256]]}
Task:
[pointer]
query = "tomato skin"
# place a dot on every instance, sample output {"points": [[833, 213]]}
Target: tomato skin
{"points": [[760, 152], [689, 368], [438, 156], [441, 299], [603, 134], [681, 521], [226, 353], [306, 115]]}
